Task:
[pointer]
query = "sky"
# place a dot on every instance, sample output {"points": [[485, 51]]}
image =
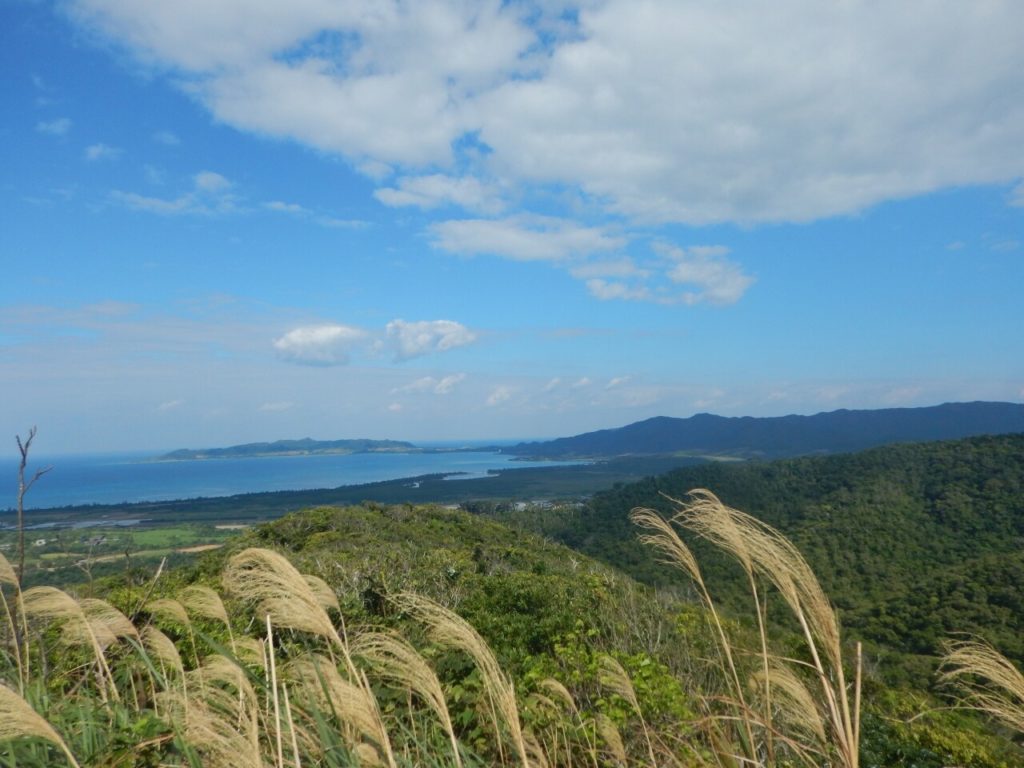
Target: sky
{"points": [[227, 221]]}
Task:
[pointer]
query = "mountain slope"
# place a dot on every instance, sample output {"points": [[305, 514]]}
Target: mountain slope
{"points": [[833, 432], [912, 542]]}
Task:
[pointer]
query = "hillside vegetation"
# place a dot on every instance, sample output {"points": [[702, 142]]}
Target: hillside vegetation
{"points": [[423, 636], [911, 542]]}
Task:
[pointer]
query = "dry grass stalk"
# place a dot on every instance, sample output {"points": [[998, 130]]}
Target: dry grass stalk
{"points": [[220, 715], [50, 604], [7, 574], [19, 720], [613, 677], [397, 661], [267, 578], [204, 601], [323, 592], [108, 624], [796, 705], [451, 630], [769, 554], [988, 679], [610, 736], [319, 682], [674, 551]]}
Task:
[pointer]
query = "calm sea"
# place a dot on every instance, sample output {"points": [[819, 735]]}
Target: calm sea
{"points": [[112, 479]]}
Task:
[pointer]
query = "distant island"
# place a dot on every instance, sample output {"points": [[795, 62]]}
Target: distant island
{"points": [[304, 447]]}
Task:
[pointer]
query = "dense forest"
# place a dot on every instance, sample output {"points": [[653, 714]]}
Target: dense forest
{"points": [[912, 542]]}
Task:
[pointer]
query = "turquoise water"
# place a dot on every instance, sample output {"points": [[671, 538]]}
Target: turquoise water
{"points": [[112, 479]]}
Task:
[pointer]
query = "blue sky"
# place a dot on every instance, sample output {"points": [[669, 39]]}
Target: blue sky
{"points": [[228, 221]]}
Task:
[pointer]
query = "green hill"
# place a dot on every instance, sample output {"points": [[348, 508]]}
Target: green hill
{"points": [[912, 542]]}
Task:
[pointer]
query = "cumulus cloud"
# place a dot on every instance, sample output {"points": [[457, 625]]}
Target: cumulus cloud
{"points": [[319, 345], [660, 111], [426, 337], [58, 127], [524, 238]]}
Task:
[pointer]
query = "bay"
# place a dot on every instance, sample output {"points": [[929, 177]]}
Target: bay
{"points": [[118, 478]]}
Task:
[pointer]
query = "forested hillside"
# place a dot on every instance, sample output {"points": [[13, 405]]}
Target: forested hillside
{"points": [[912, 542]]}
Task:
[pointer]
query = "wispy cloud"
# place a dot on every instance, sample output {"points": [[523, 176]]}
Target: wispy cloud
{"points": [[443, 386], [210, 194], [499, 395], [167, 138], [276, 406], [96, 152], [170, 405], [58, 127]]}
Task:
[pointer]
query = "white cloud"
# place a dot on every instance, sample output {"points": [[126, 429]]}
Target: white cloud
{"points": [[712, 277], [320, 345], [524, 238], [605, 290], [581, 383], [58, 127], [208, 181], [658, 110], [441, 386], [170, 405], [282, 207], [499, 395], [209, 195], [96, 152], [395, 407], [618, 381], [448, 383], [437, 190], [426, 337], [552, 384]]}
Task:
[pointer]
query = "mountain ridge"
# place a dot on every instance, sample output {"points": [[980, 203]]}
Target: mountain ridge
{"points": [[839, 431]]}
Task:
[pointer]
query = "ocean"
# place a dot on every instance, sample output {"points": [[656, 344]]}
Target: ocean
{"points": [[117, 478]]}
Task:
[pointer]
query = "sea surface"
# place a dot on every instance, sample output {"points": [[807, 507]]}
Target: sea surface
{"points": [[117, 478]]}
